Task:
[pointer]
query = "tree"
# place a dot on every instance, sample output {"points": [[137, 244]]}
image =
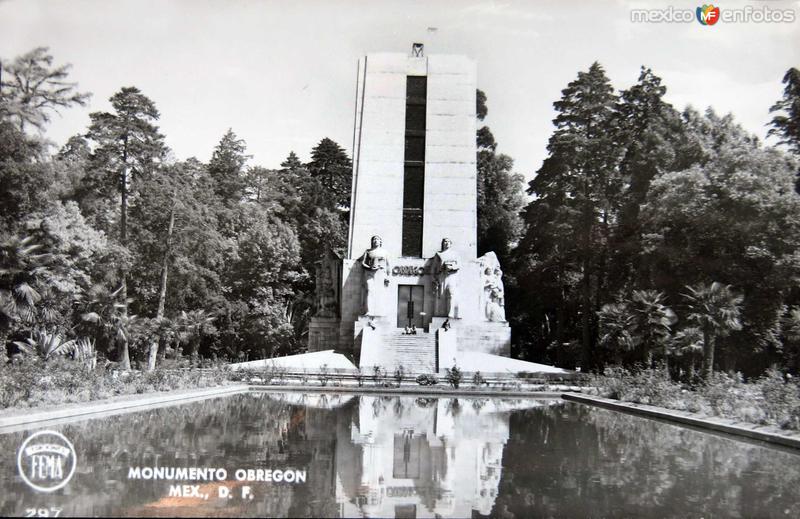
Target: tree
{"points": [[687, 345], [109, 313], [616, 323], [334, 170], [128, 147], [292, 162], [640, 322], [179, 251], [24, 176], [652, 322], [35, 88], [786, 123], [576, 192], [75, 249], [22, 263], [481, 109], [500, 201], [267, 256], [791, 334], [500, 193], [193, 325], [652, 135], [302, 203], [257, 183], [715, 309], [226, 168], [734, 217]]}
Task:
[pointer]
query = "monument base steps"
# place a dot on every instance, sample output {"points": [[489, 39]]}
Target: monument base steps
{"points": [[416, 353]]}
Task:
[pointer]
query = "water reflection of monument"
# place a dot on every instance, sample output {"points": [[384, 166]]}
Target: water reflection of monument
{"points": [[406, 457], [412, 247]]}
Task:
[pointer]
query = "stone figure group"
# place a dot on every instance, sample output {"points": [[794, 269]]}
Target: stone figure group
{"points": [[446, 273], [493, 296]]}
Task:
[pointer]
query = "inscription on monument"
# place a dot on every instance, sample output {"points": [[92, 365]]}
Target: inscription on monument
{"points": [[409, 270]]}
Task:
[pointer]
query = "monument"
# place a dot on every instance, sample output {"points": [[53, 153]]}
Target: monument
{"points": [[411, 290]]}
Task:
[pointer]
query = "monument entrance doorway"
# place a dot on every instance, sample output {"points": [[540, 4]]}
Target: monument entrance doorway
{"points": [[410, 300]]}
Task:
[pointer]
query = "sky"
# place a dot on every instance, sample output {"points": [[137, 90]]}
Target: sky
{"points": [[282, 74]]}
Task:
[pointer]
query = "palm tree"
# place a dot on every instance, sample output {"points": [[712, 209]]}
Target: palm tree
{"points": [[716, 310], [641, 322], [21, 266], [158, 333], [193, 325], [106, 310], [652, 322], [688, 343], [167, 332], [616, 322]]}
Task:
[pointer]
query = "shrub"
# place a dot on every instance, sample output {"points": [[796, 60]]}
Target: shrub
{"points": [[773, 399], [478, 380], [721, 392], [781, 400], [29, 381], [646, 386], [654, 387], [399, 374], [377, 375], [427, 380], [453, 376]]}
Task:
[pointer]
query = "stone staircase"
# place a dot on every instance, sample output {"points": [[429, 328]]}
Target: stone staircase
{"points": [[416, 353]]}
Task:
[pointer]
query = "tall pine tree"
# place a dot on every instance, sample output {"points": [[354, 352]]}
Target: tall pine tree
{"points": [[786, 123], [226, 168], [569, 222], [334, 170], [128, 146]]}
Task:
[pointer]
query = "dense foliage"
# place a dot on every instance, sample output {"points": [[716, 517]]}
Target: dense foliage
{"points": [[659, 236], [111, 242]]}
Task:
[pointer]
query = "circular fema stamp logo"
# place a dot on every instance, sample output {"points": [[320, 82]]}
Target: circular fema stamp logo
{"points": [[46, 461]]}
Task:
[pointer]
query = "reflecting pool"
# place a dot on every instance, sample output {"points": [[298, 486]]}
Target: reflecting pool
{"points": [[397, 456]]}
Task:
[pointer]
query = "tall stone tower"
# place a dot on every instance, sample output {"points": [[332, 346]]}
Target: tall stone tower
{"points": [[412, 265]]}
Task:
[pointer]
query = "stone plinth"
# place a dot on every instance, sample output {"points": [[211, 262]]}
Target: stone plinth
{"points": [[482, 337], [323, 334]]}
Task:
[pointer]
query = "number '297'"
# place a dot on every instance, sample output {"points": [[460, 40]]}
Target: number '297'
{"points": [[43, 512]]}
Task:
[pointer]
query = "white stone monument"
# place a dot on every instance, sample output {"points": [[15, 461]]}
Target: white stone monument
{"points": [[412, 290]]}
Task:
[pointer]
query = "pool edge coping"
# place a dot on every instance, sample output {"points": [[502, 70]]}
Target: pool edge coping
{"points": [[687, 418], [119, 403]]}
